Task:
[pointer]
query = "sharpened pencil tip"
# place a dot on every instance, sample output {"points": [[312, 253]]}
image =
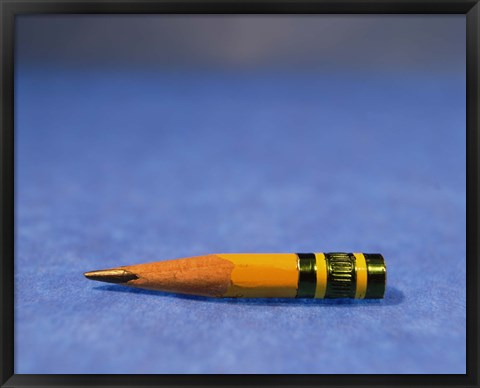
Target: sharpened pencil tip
{"points": [[111, 275]]}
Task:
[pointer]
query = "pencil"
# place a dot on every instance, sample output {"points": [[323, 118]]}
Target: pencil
{"points": [[258, 275]]}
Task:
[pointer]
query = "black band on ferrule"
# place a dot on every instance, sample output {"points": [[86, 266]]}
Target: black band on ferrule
{"points": [[307, 275], [376, 276], [341, 275]]}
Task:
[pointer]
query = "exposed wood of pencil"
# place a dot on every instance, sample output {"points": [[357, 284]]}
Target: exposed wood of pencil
{"points": [[205, 275]]}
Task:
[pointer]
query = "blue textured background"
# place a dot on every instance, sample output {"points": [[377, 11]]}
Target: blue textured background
{"points": [[127, 155]]}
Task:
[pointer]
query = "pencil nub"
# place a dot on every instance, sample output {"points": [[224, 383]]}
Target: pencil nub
{"points": [[116, 275]]}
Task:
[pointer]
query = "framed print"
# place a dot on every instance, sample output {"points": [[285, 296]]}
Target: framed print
{"points": [[271, 141]]}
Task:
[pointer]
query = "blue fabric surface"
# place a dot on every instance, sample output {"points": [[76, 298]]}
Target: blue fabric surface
{"points": [[116, 168]]}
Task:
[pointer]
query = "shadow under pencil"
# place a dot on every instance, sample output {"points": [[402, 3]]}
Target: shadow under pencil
{"points": [[393, 296]]}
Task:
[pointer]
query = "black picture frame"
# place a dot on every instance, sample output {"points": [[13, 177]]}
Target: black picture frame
{"points": [[10, 8]]}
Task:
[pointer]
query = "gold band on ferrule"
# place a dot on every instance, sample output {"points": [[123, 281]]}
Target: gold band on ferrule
{"points": [[321, 288], [361, 275]]}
